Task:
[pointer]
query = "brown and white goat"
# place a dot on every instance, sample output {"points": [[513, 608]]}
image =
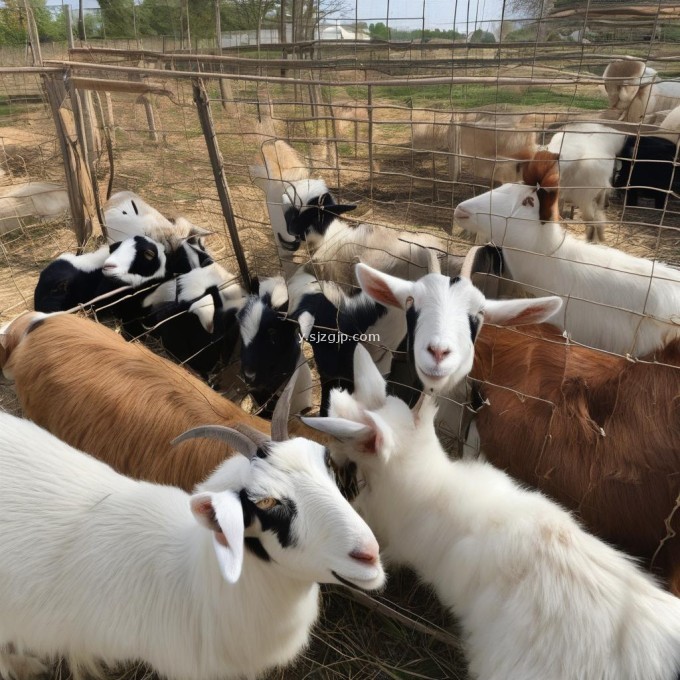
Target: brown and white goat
{"points": [[596, 432], [118, 401]]}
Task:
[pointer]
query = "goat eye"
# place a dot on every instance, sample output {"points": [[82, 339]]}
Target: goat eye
{"points": [[149, 254], [267, 503], [272, 334]]}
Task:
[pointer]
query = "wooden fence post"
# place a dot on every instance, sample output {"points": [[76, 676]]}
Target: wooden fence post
{"points": [[205, 117], [78, 182]]}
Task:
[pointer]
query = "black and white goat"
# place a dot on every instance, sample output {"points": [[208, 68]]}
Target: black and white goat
{"points": [[275, 322], [75, 279], [195, 316]]}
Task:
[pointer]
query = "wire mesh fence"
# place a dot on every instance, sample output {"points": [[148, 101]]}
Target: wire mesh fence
{"points": [[406, 130]]}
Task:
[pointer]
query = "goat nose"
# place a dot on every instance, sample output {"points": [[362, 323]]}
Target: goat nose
{"points": [[368, 554], [249, 376], [460, 213], [439, 353]]}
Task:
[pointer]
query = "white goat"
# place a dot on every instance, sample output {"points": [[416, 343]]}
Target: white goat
{"points": [[587, 153], [635, 90], [612, 300], [538, 598], [39, 200], [219, 584], [444, 317], [126, 215]]}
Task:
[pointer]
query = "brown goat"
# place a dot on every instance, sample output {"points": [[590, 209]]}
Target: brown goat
{"points": [[596, 432], [118, 401]]}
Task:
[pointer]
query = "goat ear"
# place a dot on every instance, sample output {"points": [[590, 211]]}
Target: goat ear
{"points": [[383, 288], [195, 230], [222, 513], [370, 389], [306, 322], [204, 309], [519, 312], [340, 428], [339, 209]]}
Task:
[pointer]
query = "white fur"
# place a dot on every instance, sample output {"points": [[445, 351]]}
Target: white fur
{"points": [[444, 308], [537, 597], [87, 262], [587, 154], [612, 300], [126, 215], [99, 567], [118, 264]]}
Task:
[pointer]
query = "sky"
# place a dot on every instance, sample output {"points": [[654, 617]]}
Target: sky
{"points": [[407, 13], [438, 13]]}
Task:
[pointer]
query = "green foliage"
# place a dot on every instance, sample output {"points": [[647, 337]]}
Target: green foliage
{"points": [[379, 31], [117, 18], [13, 28], [526, 34], [670, 33], [475, 96], [481, 36]]}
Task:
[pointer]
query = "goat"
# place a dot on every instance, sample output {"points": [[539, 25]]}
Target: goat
{"points": [[492, 142], [274, 322], [613, 301], [71, 280], [116, 400], [304, 210], [194, 315], [223, 583], [648, 168], [443, 317], [21, 202], [126, 215], [537, 597], [587, 157], [635, 91], [598, 433]]}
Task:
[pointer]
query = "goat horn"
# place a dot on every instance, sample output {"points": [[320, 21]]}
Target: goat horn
{"points": [[282, 410], [238, 441], [433, 265], [260, 439], [468, 267]]}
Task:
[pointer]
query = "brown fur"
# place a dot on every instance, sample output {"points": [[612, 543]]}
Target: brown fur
{"points": [[551, 402], [120, 402], [543, 171]]}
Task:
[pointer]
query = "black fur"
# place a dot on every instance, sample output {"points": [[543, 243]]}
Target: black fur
{"points": [[316, 215], [278, 519], [648, 162]]}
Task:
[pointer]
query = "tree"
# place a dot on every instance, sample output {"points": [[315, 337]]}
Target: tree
{"points": [[481, 36], [379, 31], [117, 18], [537, 10]]}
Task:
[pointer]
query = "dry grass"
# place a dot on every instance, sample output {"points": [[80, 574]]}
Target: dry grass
{"points": [[406, 188]]}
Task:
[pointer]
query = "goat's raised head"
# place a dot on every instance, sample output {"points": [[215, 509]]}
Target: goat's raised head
{"points": [[279, 501], [623, 79], [270, 347], [309, 209], [512, 210], [443, 317]]}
